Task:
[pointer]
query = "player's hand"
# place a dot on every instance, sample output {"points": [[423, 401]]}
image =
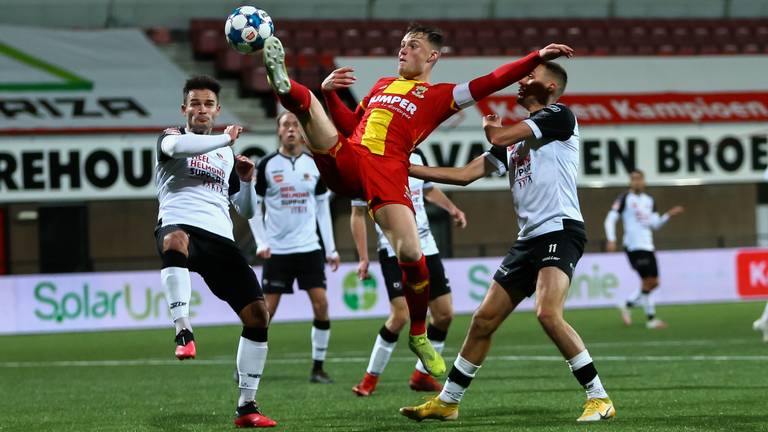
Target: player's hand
{"points": [[339, 79], [553, 51], [491, 120], [244, 168], [234, 132], [333, 260], [459, 218], [362, 270], [264, 253], [610, 246], [676, 210]]}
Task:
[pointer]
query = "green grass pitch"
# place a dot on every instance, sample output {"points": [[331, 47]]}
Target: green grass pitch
{"points": [[707, 371]]}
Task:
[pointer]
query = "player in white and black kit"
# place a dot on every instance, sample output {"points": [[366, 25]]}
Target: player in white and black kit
{"points": [[440, 304], [541, 155], [198, 176], [297, 204], [638, 214]]}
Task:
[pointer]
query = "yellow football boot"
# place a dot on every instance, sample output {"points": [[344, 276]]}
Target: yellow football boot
{"points": [[432, 361], [597, 409], [433, 408]]}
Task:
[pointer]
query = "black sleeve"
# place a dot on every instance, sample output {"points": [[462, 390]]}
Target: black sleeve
{"points": [[261, 176], [556, 123], [499, 153], [320, 187], [620, 204], [234, 182]]}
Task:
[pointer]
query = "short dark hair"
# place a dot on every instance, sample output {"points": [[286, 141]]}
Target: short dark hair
{"points": [[434, 35], [281, 115], [201, 82], [559, 73], [638, 171]]}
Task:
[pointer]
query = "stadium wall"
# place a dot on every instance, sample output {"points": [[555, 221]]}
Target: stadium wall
{"points": [[102, 301]]}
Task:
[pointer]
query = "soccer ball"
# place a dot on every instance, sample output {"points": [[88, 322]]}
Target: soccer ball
{"points": [[247, 28]]}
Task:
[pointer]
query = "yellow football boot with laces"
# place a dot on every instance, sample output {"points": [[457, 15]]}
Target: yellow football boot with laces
{"points": [[432, 361], [433, 408], [597, 409]]}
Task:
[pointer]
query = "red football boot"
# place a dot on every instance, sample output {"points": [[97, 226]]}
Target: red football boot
{"points": [[424, 382], [248, 416], [185, 345], [366, 386]]}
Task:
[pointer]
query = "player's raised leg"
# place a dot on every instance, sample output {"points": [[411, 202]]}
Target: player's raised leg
{"points": [[178, 290], [398, 223], [551, 291], [761, 324], [251, 357], [320, 132], [494, 309]]}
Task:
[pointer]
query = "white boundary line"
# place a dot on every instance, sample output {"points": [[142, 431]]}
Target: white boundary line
{"points": [[231, 361]]}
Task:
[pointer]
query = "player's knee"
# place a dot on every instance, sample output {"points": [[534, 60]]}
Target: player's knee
{"points": [[177, 240], [483, 324], [442, 318], [255, 314], [397, 320], [548, 317]]}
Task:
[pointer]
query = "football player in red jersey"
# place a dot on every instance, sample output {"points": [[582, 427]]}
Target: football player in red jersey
{"points": [[365, 153]]}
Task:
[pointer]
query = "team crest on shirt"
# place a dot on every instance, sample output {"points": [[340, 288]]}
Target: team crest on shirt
{"points": [[307, 177], [277, 178], [419, 91]]}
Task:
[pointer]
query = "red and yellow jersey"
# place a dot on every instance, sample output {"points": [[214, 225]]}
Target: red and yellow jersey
{"points": [[400, 113]]}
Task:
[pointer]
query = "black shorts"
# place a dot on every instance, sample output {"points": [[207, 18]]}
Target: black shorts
{"points": [[644, 263], [393, 276], [221, 264], [562, 249], [281, 270]]}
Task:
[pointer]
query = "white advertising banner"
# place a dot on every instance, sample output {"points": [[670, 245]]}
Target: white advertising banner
{"points": [[90, 167], [62, 81], [102, 301]]}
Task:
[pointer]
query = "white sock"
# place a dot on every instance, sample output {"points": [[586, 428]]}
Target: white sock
{"points": [[594, 387], [251, 357], [439, 345], [382, 351], [177, 287], [319, 343], [453, 392], [648, 305]]}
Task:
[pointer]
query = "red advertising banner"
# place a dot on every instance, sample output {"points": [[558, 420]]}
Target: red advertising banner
{"points": [[752, 273], [647, 108]]}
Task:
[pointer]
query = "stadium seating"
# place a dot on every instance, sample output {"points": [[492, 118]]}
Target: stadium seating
{"points": [[312, 44]]}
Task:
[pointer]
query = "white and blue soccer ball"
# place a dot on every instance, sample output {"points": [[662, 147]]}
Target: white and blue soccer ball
{"points": [[247, 28]]}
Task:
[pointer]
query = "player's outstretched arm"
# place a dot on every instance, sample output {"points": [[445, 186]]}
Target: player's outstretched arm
{"points": [[344, 118], [478, 168], [505, 136], [359, 230], [510, 73], [657, 221], [186, 145]]}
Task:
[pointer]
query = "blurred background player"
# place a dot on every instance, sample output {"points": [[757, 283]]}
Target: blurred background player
{"points": [[198, 176], [761, 324], [296, 205], [541, 155], [365, 154], [440, 304], [639, 216]]}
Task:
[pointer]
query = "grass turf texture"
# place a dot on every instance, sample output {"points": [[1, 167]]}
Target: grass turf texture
{"points": [[707, 371]]}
